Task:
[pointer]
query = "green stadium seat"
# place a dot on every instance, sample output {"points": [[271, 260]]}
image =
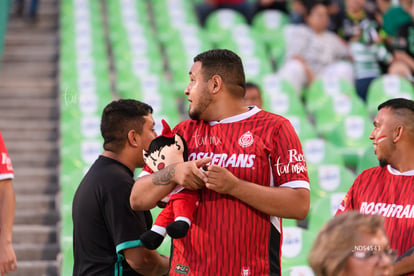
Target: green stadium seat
{"points": [[321, 90], [367, 160], [350, 135], [387, 87], [319, 151], [332, 112], [267, 22], [303, 127], [220, 23], [326, 179], [296, 245], [323, 209], [280, 96], [297, 270]]}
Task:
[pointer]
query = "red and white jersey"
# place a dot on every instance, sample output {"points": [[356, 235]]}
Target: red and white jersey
{"points": [[228, 237], [387, 192], [6, 169]]}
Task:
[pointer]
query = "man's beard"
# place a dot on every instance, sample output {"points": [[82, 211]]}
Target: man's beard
{"points": [[383, 163]]}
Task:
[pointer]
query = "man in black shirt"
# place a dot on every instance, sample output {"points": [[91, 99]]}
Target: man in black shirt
{"points": [[105, 229]]}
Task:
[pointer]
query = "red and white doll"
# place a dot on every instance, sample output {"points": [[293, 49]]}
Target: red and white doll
{"points": [[176, 218]]}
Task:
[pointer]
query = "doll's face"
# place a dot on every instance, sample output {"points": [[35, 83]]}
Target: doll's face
{"points": [[166, 156]]}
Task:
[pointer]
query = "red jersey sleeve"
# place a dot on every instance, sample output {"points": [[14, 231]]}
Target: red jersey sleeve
{"points": [[6, 168], [289, 164]]}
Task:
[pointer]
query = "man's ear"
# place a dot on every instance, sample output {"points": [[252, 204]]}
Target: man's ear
{"points": [[397, 133], [217, 82], [132, 138]]}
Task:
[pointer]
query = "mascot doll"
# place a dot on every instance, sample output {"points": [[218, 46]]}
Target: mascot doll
{"points": [[175, 219]]}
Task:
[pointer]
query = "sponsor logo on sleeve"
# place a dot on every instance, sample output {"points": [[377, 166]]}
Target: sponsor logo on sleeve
{"points": [[296, 163]]}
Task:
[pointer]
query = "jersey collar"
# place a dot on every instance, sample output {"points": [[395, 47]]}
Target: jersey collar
{"points": [[239, 117], [396, 172]]}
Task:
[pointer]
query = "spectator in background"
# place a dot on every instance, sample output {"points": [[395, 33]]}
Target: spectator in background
{"points": [[360, 29], [7, 205], [31, 11], [314, 51], [206, 7], [352, 244], [380, 8], [253, 95], [388, 189], [105, 229], [399, 27]]}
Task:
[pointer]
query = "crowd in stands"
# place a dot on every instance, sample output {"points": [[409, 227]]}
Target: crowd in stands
{"points": [[327, 37]]}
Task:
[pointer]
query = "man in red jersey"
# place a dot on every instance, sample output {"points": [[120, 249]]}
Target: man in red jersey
{"points": [[256, 175], [7, 206], [388, 189]]}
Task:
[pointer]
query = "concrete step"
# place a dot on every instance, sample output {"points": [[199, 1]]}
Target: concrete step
{"points": [[16, 39], [44, 217], [41, 104], [35, 202], [27, 252], [19, 70], [44, 87], [29, 135], [30, 113], [27, 125], [30, 54], [36, 268], [38, 234], [40, 147], [46, 23], [34, 187]]}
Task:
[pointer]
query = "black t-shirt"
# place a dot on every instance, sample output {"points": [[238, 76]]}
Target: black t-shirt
{"points": [[103, 218]]}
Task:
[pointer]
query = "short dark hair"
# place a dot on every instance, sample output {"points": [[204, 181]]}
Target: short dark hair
{"points": [[404, 108], [118, 118], [225, 63], [398, 103], [252, 85]]}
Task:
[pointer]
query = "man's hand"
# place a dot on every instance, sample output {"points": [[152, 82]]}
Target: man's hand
{"points": [[220, 180], [7, 258]]}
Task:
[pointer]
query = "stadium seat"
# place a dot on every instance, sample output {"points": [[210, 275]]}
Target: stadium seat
{"points": [[319, 151], [331, 113], [277, 44], [296, 245], [303, 127], [323, 209], [267, 22], [298, 270], [351, 136], [219, 23], [326, 179], [367, 160], [280, 96], [322, 89], [387, 87]]}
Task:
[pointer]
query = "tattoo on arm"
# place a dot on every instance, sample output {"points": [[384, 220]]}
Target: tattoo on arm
{"points": [[164, 176]]}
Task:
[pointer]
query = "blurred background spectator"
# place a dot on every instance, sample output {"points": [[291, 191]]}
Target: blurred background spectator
{"points": [[314, 51]]}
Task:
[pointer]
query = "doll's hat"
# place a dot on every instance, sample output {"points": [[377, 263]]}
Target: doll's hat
{"points": [[166, 131]]}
